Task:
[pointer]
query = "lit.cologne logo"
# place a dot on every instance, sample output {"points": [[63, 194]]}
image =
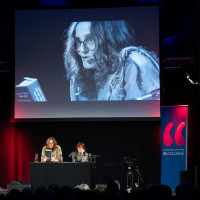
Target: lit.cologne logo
{"points": [[178, 137]]}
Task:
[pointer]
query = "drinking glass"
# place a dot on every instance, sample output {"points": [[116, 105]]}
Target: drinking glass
{"points": [[36, 158]]}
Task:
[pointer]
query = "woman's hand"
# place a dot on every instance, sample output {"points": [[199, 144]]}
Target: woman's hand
{"points": [[44, 160], [53, 159]]}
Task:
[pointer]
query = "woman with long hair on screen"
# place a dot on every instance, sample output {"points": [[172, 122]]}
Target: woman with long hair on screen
{"points": [[56, 152], [103, 64]]}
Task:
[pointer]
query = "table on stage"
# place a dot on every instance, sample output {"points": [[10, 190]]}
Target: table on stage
{"points": [[63, 174]]}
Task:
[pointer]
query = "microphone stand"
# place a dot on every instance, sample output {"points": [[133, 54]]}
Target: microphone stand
{"points": [[137, 170], [93, 157]]}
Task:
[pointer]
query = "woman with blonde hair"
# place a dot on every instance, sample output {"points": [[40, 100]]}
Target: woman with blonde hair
{"points": [[56, 154]]}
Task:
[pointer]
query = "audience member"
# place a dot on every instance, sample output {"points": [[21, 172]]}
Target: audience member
{"points": [[196, 193], [184, 191], [83, 186]]}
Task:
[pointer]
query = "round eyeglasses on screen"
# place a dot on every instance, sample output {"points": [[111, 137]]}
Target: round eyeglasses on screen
{"points": [[89, 44]]}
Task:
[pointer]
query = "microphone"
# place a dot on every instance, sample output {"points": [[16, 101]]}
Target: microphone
{"points": [[70, 155]]}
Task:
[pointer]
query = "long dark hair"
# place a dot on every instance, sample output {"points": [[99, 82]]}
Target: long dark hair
{"points": [[111, 37], [80, 144]]}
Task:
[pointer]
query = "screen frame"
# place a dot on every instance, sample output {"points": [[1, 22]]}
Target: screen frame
{"points": [[157, 4]]}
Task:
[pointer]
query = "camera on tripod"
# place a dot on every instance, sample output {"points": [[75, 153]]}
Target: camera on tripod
{"points": [[133, 175], [130, 162]]}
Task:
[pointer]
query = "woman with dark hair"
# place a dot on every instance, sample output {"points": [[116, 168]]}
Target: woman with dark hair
{"points": [[56, 156], [80, 154], [102, 63]]}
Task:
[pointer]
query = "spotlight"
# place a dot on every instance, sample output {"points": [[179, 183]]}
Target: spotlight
{"points": [[190, 80]]}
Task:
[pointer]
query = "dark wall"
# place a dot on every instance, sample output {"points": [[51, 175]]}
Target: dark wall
{"points": [[182, 21], [111, 140]]}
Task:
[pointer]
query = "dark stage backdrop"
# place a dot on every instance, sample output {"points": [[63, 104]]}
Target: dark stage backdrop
{"points": [[111, 139]]}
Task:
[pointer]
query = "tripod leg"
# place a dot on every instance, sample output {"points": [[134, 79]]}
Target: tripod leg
{"points": [[129, 181]]}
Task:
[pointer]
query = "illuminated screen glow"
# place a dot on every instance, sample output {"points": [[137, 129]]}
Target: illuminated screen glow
{"points": [[87, 63]]}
